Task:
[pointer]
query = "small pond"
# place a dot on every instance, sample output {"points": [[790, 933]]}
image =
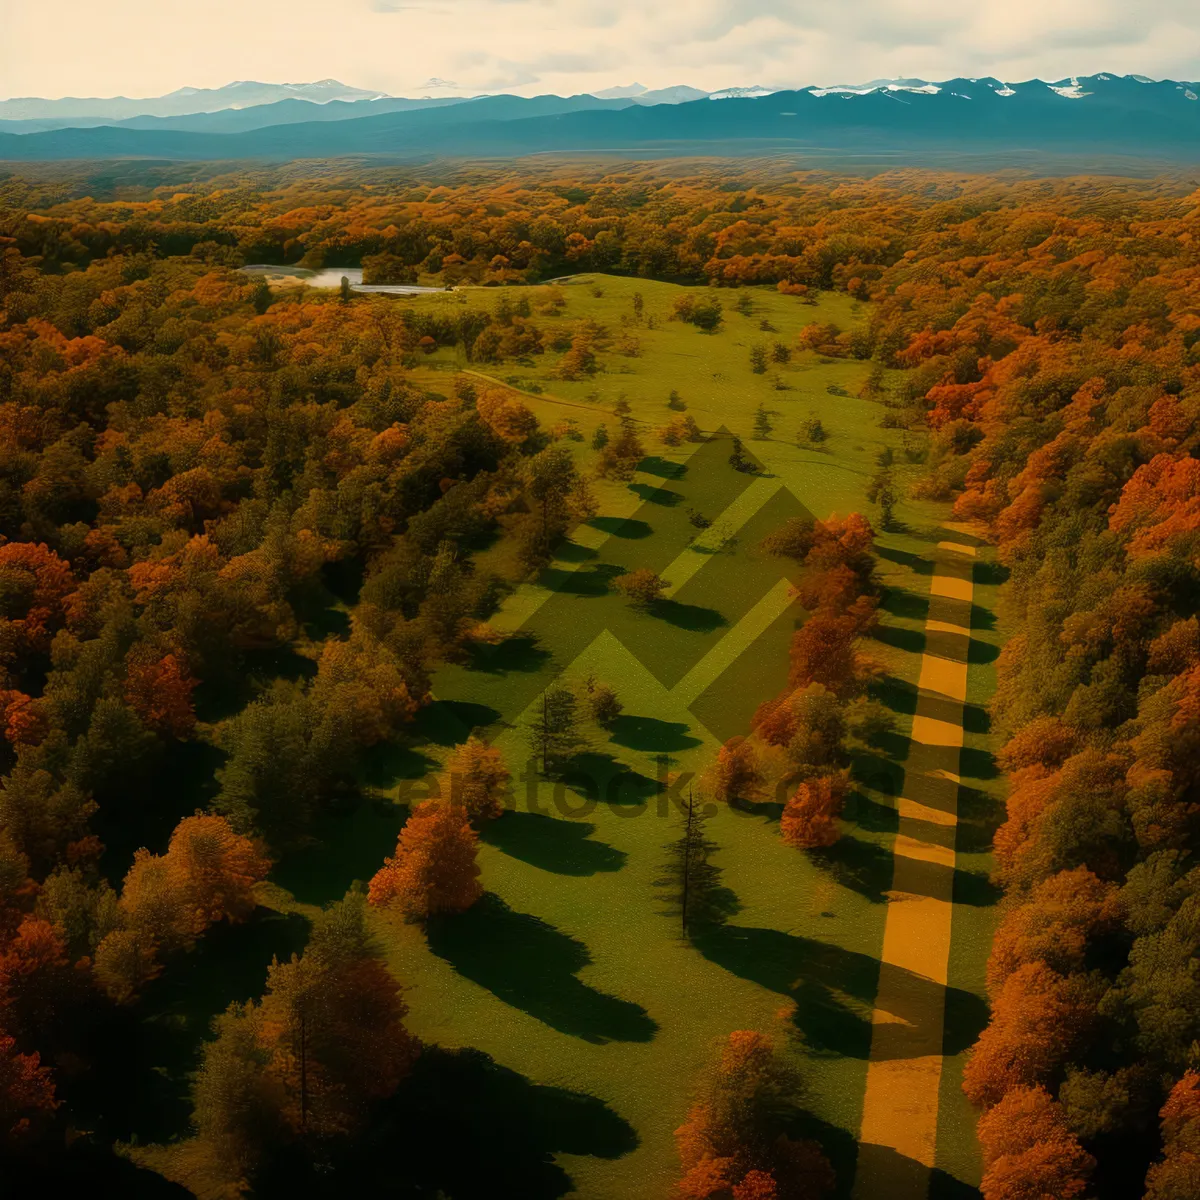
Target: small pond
{"points": [[331, 277]]}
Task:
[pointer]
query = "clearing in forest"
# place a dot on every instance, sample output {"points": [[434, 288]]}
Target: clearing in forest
{"points": [[571, 972], [597, 1017]]}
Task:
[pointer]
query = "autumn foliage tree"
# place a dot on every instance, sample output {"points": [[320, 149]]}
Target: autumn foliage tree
{"points": [[434, 868], [160, 692], [809, 818], [26, 1093], [620, 456], [191, 459], [34, 584], [478, 778], [309, 1060], [1178, 1174], [1039, 1019], [1029, 1150], [736, 775], [208, 874], [642, 586], [736, 1140]]}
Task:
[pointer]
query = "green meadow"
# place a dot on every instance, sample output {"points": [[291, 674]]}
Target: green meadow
{"points": [[571, 975]]}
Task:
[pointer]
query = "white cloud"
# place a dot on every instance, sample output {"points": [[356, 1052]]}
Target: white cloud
{"points": [[146, 47]]}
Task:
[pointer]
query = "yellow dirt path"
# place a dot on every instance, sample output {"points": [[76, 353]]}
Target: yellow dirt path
{"points": [[898, 1138]]}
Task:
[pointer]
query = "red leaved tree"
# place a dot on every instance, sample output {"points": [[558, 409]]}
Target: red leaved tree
{"points": [[810, 818], [160, 692], [26, 1092]]}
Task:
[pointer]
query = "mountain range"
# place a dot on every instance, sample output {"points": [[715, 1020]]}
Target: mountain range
{"points": [[182, 101], [1118, 115]]}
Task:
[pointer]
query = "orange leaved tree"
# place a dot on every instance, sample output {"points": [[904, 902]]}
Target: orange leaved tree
{"points": [[434, 868], [810, 818], [734, 1141], [1030, 1151], [1178, 1175], [736, 775], [479, 779]]}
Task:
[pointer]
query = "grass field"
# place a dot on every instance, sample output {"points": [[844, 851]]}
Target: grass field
{"points": [[571, 972]]}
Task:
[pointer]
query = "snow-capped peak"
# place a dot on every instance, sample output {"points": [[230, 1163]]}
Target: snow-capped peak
{"points": [[754, 92], [1071, 91]]}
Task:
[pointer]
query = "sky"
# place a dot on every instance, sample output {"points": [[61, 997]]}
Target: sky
{"points": [[57, 48]]}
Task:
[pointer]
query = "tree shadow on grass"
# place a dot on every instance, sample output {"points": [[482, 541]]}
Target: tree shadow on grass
{"points": [[656, 495], [767, 811], [907, 1177], [834, 990], [386, 763], [896, 694], [623, 527], [902, 603], [601, 777], [982, 618], [569, 551], [870, 815], [141, 812], [461, 1125], [911, 640], [901, 696], [976, 719], [727, 545], [961, 647], [529, 964], [867, 868], [662, 467], [977, 764], [316, 608], [594, 581], [979, 816], [652, 735], [906, 558], [864, 867], [975, 889], [981, 652], [513, 654], [691, 617], [562, 846], [990, 573], [895, 745], [882, 774], [449, 722]]}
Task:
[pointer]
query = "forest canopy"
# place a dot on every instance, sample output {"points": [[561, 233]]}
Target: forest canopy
{"points": [[188, 458]]}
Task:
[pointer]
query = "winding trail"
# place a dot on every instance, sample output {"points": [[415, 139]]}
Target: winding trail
{"points": [[898, 1139]]}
